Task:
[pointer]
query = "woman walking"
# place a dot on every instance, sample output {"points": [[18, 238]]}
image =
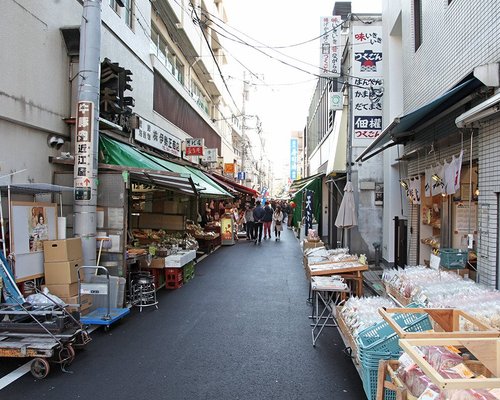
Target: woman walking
{"points": [[249, 222], [268, 220], [278, 223]]}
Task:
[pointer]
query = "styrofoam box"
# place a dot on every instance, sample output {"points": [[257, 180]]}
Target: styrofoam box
{"points": [[180, 259]]}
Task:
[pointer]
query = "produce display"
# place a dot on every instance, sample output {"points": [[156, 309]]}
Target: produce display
{"points": [[443, 289], [162, 240], [360, 313], [450, 364], [199, 233]]}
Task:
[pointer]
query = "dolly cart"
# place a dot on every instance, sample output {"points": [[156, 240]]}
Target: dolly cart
{"points": [[103, 315]]}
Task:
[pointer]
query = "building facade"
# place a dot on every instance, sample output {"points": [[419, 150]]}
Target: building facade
{"points": [[173, 61], [441, 111]]}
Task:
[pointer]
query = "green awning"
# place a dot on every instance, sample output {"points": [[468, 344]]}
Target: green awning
{"points": [[315, 184], [117, 153], [204, 185], [120, 156]]}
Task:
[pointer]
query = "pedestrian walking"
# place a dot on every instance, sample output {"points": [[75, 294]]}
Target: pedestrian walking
{"points": [[278, 223], [249, 222], [258, 215], [268, 220]]}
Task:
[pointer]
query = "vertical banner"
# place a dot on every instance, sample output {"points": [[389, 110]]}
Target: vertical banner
{"points": [[309, 210], [84, 180], [330, 51], [367, 84], [294, 149]]}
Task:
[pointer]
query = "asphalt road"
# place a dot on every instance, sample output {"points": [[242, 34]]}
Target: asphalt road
{"points": [[238, 330]]}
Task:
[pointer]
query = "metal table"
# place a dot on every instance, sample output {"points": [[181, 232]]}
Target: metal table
{"points": [[327, 292]]}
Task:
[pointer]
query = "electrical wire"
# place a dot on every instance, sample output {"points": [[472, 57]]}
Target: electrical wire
{"points": [[213, 55]]}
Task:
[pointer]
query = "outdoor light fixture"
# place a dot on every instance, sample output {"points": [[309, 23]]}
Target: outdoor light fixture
{"points": [[403, 184], [476, 192], [437, 178]]}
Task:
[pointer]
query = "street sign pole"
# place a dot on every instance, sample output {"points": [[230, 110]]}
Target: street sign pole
{"points": [[87, 130]]}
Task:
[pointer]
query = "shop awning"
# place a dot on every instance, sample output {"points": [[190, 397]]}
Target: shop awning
{"points": [[204, 185], [301, 184], [233, 185], [338, 143], [402, 128], [147, 167], [120, 156]]}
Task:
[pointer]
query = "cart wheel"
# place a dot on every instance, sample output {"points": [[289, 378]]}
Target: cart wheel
{"points": [[67, 354], [40, 368]]}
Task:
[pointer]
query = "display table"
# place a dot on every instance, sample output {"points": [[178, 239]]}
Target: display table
{"points": [[351, 272], [327, 292], [208, 245]]}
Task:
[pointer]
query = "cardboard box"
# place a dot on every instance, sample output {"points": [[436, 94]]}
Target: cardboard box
{"points": [[64, 272], [311, 245], [62, 250], [85, 302], [156, 262], [65, 290]]}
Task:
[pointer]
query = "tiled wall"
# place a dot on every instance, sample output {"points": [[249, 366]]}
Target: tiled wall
{"points": [[489, 185], [456, 38]]}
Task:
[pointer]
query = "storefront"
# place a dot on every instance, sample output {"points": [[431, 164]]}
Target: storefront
{"points": [[438, 175], [299, 191]]}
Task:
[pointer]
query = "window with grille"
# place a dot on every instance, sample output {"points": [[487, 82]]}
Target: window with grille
{"points": [[417, 23]]}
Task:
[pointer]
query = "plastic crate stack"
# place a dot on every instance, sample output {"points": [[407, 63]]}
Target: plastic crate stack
{"points": [[188, 272], [380, 342]]}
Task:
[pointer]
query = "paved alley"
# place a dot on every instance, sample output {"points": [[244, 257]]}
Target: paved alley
{"points": [[238, 330]]}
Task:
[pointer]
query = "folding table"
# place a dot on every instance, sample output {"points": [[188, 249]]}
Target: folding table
{"points": [[327, 291]]}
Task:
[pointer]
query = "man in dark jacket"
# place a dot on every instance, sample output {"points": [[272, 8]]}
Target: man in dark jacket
{"points": [[258, 216]]}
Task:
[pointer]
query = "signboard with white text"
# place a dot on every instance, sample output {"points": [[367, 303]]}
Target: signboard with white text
{"points": [[367, 83], [84, 179], [194, 146], [294, 149]]}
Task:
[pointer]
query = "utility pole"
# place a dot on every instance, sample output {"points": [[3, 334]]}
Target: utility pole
{"points": [[87, 130], [243, 133]]}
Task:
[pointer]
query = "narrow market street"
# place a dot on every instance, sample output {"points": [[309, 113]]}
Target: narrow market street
{"points": [[238, 330]]}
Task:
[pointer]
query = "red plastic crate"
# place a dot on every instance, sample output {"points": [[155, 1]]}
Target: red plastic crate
{"points": [[173, 278]]}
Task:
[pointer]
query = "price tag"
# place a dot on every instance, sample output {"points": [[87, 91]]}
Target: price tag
{"points": [[435, 261]]}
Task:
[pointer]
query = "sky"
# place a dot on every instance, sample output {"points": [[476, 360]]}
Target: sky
{"points": [[280, 94]]}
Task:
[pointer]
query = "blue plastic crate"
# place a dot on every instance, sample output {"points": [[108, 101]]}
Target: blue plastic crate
{"points": [[453, 258], [382, 338], [369, 375]]}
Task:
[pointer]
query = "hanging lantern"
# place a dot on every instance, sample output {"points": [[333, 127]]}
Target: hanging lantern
{"points": [[292, 204]]}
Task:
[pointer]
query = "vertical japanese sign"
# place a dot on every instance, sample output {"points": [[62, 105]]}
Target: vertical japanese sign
{"points": [[309, 210], [368, 85], [294, 146], [330, 51], [84, 179], [194, 147]]}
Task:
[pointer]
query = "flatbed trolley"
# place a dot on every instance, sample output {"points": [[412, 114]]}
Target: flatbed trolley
{"points": [[104, 316], [48, 344]]}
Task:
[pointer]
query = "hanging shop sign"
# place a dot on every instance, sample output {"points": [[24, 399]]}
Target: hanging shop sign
{"points": [[294, 149], [336, 101], [194, 147], [210, 155], [330, 49], [309, 210], [241, 175], [229, 168], [367, 84], [156, 137], [84, 179]]}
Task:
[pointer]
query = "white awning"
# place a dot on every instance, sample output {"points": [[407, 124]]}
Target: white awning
{"points": [[338, 143], [483, 110]]}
